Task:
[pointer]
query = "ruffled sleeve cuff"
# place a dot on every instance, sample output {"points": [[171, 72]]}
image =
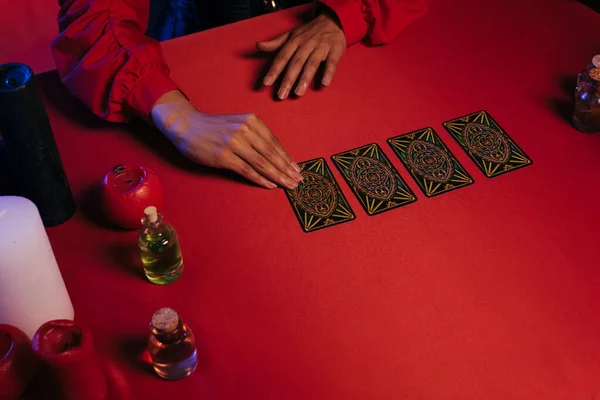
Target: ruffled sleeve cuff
{"points": [[147, 90], [351, 18]]}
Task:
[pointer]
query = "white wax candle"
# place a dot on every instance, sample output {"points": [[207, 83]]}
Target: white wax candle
{"points": [[32, 290]]}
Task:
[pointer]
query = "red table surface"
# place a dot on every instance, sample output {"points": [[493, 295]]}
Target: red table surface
{"points": [[490, 291]]}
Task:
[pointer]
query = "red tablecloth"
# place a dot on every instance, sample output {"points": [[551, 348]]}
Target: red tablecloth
{"points": [[490, 292], [26, 29]]}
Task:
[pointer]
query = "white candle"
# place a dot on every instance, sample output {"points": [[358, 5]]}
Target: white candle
{"points": [[32, 290]]}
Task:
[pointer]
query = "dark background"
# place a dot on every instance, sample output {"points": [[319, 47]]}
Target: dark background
{"points": [[593, 4]]}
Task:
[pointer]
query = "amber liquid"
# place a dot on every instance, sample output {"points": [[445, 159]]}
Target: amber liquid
{"points": [[586, 116], [174, 360], [160, 254]]}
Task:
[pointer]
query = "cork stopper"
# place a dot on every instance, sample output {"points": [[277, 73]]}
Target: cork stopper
{"points": [[151, 214], [596, 61], [165, 319]]}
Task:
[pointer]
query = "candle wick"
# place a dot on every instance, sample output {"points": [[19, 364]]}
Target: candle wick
{"points": [[2, 213]]}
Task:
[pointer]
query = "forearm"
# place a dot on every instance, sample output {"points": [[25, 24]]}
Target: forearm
{"points": [[170, 111]]}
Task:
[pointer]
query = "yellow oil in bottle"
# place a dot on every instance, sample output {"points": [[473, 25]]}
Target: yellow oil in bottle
{"points": [[159, 249]]}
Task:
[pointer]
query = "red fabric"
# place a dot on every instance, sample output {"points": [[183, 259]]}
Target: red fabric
{"points": [[17, 362], [72, 369], [106, 61], [382, 19], [486, 292], [26, 29]]}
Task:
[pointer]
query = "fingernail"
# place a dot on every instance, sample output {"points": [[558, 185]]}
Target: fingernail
{"points": [[326, 81], [301, 89], [296, 166], [268, 81], [298, 176], [289, 184], [283, 93], [270, 184]]}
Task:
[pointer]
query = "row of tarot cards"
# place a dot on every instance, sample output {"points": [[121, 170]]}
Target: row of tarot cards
{"points": [[318, 201]]}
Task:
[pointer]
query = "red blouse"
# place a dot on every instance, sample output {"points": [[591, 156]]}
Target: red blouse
{"points": [[105, 59]]}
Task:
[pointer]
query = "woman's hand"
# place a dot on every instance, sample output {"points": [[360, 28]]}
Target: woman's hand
{"points": [[239, 142], [303, 49]]}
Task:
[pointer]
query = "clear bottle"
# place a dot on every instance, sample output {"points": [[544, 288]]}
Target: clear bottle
{"points": [[586, 116], [171, 345], [159, 249]]}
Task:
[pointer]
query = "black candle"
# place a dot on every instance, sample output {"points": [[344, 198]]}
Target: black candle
{"points": [[7, 184], [34, 159]]}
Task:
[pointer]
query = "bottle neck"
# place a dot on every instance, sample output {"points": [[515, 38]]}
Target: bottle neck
{"points": [[146, 222], [170, 336], [595, 74]]}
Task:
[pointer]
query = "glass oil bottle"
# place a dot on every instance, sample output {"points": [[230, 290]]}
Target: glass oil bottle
{"points": [[171, 345], [586, 116], [159, 249]]}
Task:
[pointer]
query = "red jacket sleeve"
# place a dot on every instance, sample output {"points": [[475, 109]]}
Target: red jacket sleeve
{"points": [[378, 20], [106, 61]]}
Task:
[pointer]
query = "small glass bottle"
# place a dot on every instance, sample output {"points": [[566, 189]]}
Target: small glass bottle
{"points": [[586, 116], [159, 249], [171, 345]]}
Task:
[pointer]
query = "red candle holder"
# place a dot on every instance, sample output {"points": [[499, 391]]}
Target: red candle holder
{"points": [[17, 362], [72, 369]]}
